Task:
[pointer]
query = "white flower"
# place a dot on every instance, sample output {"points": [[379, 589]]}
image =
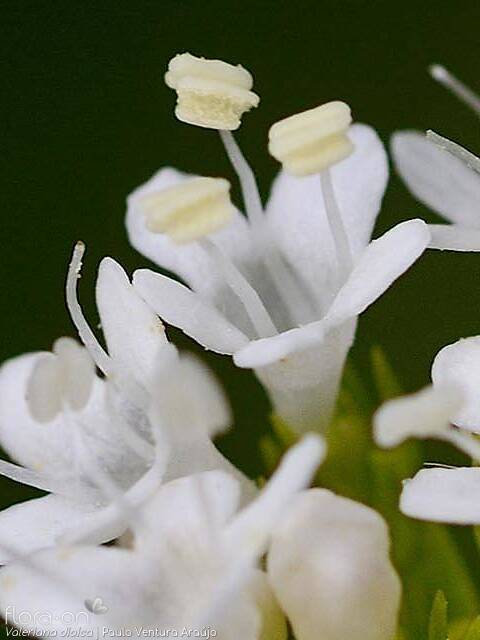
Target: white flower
{"points": [[281, 291], [448, 410], [444, 176], [192, 564], [329, 567], [97, 444]]}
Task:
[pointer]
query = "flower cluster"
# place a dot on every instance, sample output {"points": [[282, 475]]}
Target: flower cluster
{"points": [[121, 436]]}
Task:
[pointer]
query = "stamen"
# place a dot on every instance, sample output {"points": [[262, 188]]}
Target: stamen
{"points": [[99, 355], [247, 295], [455, 149], [339, 233], [460, 90], [311, 141], [285, 284], [210, 93], [189, 211]]}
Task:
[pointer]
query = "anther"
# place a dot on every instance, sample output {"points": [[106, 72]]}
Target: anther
{"points": [[309, 142], [189, 211], [210, 93]]}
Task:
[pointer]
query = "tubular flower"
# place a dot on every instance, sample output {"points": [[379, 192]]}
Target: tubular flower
{"points": [[448, 410], [443, 175], [95, 443], [281, 289], [193, 563]]}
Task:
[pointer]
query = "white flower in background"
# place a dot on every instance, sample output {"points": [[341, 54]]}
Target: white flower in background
{"points": [[330, 570], [449, 410], [281, 289], [97, 443], [193, 563], [444, 176]]}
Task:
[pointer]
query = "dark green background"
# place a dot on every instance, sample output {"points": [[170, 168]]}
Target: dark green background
{"points": [[87, 117]]}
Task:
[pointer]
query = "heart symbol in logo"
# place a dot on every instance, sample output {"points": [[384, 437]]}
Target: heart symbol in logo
{"points": [[96, 606]]}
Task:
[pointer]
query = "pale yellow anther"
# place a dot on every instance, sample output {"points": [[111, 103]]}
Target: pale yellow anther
{"points": [[210, 93], [312, 141], [189, 211]]}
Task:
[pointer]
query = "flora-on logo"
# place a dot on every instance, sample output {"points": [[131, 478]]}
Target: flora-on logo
{"points": [[96, 606]]}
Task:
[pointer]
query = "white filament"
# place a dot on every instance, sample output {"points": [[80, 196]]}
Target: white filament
{"points": [[285, 284], [99, 355], [334, 216], [247, 295], [460, 90]]}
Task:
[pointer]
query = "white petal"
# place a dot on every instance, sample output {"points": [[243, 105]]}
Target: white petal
{"points": [[251, 530], [301, 370], [51, 449], [36, 524], [297, 215], [189, 261], [438, 179], [78, 371], [43, 447], [182, 308], [45, 388], [454, 237], [443, 495], [189, 511], [133, 332], [382, 262], [59, 584], [190, 400], [458, 365], [425, 414], [111, 521], [336, 549]]}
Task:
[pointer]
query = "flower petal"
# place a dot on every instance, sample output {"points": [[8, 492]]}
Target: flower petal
{"points": [[443, 495], [440, 180], [296, 210], [42, 447], [36, 524], [458, 365], [248, 533], [425, 414], [189, 261], [182, 308], [382, 262], [61, 585], [325, 539], [133, 332], [454, 237]]}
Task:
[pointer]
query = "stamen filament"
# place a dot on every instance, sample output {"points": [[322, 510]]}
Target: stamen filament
{"points": [[285, 284], [248, 183], [334, 216], [247, 295], [99, 355], [460, 90]]}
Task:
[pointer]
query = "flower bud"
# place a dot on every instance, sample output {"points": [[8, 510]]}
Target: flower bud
{"points": [[210, 93], [312, 141], [190, 210], [330, 570]]}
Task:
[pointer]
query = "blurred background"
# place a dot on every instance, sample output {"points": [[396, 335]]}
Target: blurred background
{"points": [[86, 117]]}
